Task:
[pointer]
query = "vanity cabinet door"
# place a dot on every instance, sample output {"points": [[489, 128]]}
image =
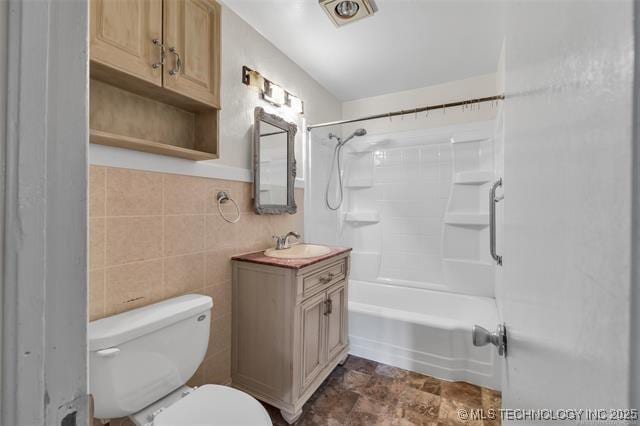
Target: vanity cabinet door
{"points": [[122, 34], [313, 316], [336, 319], [192, 40]]}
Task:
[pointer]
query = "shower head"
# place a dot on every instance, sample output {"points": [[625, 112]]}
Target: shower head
{"points": [[359, 132]]}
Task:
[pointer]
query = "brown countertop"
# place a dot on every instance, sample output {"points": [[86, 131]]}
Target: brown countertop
{"points": [[259, 257]]}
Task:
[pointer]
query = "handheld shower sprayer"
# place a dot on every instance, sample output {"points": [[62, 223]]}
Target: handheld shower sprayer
{"points": [[337, 160]]}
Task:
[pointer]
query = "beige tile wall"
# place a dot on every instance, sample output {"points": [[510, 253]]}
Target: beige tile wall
{"points": [[155, 235]]}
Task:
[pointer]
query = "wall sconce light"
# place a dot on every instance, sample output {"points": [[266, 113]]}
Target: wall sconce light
{"points": [[294, 103], [271, 92], [254, 79]]}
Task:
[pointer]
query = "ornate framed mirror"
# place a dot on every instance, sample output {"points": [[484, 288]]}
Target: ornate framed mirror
{"points": [[274, 164]]}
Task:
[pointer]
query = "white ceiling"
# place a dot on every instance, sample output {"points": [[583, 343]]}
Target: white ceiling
{"points": [[405, 45]]}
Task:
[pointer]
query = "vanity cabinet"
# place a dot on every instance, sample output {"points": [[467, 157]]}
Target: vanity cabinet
{"points": [[289, 328]]}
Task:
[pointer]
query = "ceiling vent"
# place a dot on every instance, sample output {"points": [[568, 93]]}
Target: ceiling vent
{"points": [[343, 12]]}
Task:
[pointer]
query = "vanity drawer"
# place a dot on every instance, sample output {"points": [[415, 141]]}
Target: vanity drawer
{"points": [[325, 277]]}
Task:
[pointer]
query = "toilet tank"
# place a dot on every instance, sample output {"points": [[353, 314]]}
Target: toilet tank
{"points": [[140, 356]]}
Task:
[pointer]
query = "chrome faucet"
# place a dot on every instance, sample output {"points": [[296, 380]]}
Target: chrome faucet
{"points": [[282, 242]]}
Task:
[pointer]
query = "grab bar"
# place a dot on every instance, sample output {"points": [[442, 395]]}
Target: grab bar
{"points": [[492, 220]]}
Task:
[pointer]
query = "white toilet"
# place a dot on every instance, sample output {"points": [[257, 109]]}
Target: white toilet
{"points": [[140, 361]]}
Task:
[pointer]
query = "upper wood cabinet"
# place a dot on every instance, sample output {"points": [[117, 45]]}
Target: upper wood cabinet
{"points": [[122, 34], [175, 44], [192, 37], [154, 56]]}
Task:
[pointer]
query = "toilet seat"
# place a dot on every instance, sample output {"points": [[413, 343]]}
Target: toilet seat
{"points": [[211, 405]]}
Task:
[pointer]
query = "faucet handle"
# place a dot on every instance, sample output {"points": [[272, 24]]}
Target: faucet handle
{"points": [[280, 241]]}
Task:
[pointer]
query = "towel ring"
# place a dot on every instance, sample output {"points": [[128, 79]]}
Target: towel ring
{"points": [[223, 197]]}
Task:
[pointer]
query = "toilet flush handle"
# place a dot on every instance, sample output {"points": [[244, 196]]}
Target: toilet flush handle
{"points": [[108, 353]]}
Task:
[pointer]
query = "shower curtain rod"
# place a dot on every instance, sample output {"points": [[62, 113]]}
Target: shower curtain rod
{"points": [[468, 102]]}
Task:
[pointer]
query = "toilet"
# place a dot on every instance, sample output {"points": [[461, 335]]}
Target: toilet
{"points": [[141, 360]]}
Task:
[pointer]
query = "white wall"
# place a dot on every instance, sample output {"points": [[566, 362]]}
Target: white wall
{"points": [[476, 87], [241, 45], [321, 224], [567, 184], [3, 104]]}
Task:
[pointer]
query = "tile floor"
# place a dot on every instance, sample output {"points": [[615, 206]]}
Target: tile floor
{"points": [[364, 392]]}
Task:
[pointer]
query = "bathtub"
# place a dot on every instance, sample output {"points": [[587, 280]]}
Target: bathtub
{"points": [[424, 331]]}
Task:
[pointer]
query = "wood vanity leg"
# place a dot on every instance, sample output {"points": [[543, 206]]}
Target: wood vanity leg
{"points": [[290, 417], [343, 360]]}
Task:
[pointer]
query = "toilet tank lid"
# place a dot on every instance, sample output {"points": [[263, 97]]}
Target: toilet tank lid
{"points": [[115, 330]]}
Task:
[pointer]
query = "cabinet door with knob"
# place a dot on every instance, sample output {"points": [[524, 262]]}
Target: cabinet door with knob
{"points": [[313, 313], [126, 35], [336, 320], [192, 40]]}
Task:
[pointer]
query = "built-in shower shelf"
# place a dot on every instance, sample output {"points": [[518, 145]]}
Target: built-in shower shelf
{"points": [[356, 183], [475, 177], [362, 217], [477, 219], [480, 263], [474, 277]]}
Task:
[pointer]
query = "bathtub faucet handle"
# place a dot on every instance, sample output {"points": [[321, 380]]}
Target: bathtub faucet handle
{"points": [[481, 337]]}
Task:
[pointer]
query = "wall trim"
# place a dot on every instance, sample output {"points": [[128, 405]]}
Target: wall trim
{"points": [[635, 226], [100, 155], [44, 339]]}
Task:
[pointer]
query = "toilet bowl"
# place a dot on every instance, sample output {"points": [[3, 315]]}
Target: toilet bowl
{"points": [[140, 361]]}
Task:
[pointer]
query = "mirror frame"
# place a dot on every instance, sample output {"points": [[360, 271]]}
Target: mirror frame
{"points": [[291, 129]]}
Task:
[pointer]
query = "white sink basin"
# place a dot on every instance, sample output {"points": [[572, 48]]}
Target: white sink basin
{"points": [[298, 251]]}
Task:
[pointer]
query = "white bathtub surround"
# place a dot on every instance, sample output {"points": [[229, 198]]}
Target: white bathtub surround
{"points": [[467, 264], [416, 210], [424, 331]]}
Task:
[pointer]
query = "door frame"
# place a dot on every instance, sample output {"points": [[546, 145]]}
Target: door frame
{"points": [[44, 280], [635, 214]]}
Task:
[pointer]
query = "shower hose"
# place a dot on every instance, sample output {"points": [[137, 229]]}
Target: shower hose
{"points": [[337, 159]]}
